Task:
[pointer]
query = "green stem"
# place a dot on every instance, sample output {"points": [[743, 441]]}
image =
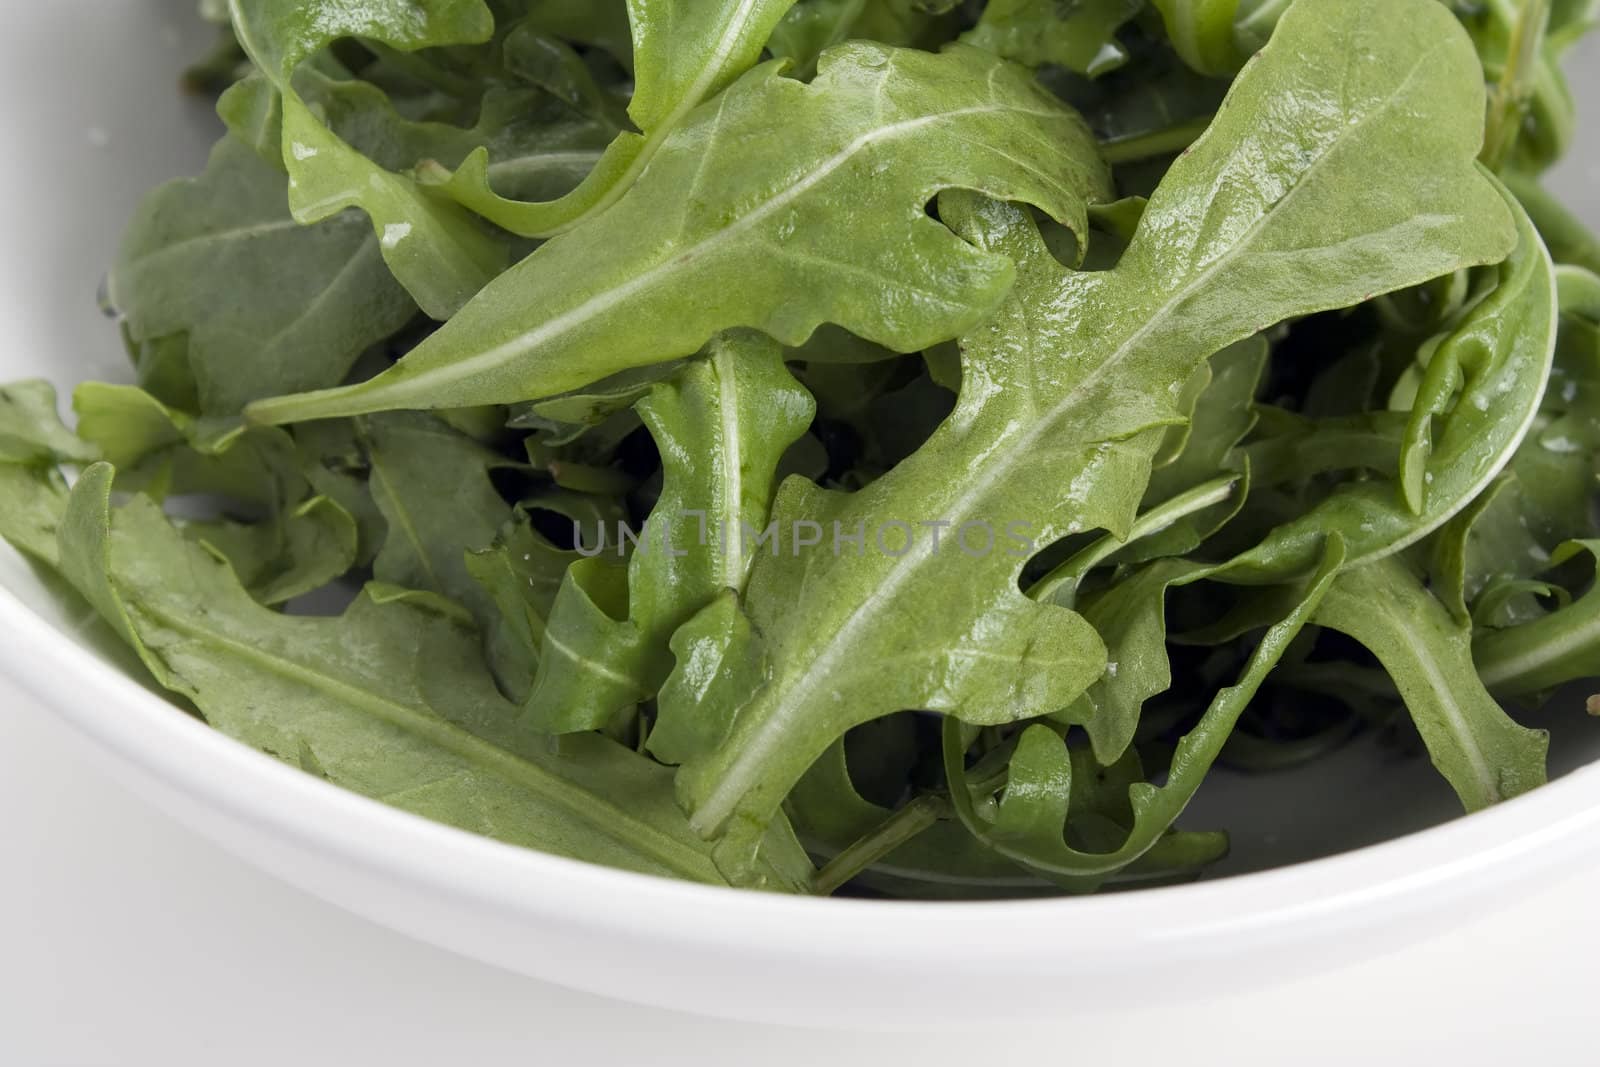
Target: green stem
{"points": [[1512, 97], [906, 823], [1155, 144], [889, 835]]}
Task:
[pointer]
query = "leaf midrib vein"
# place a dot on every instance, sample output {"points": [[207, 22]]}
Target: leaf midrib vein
{"points": [[552, 789], [595, 306], [820, 669]]}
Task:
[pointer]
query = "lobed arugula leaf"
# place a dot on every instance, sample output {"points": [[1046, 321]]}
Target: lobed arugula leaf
{"points": [[1028, 824], [684, 53], [398, 674], [1484, 755], [1483, 385], [1067, 391], [722, 427], [729, 230], [1080, 37], [320, 295], [1549, 651], [434, 248]]}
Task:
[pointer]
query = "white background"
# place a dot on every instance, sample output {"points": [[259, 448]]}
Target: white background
{"points": [[126, 941]]}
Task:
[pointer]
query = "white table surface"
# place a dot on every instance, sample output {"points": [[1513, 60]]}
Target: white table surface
{"points": [[127, 941]]}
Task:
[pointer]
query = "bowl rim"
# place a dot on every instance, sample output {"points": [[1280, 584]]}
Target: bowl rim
{"points": [[1315, 900]]}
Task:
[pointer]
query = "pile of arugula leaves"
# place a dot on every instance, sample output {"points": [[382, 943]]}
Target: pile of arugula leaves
{"points": [[895, 444]]}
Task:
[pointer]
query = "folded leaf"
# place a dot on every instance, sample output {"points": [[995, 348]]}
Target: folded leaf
{"points": [[1544, 496], [1560, 647], [1483, 389], [731, 228], [722, 427]]}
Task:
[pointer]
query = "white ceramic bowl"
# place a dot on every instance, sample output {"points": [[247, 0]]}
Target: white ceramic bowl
{"points": [[93, 122]]}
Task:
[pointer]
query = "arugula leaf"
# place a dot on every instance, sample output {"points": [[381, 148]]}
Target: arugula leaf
{"points": [[432, 486], [1484, 384], [303, 541], [684, 53], [813, 26], [1080, 37], [1028, 824], [303, 551], [599, 23], [522, 573], [396, 674], [722, 426], [1543, 498], [33, 492], [434, 248], [31, 433], [320, 295], [1560, 647], [1267, 203], [1218, 36], [1484, 754], [728, 230]]}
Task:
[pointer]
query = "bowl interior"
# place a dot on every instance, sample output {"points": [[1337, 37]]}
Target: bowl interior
{"points": [[117, 126]]}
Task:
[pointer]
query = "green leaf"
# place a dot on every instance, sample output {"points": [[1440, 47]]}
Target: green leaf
{"points": [[722, 427], [319, 295], [391, 700], [432, 485], [596, 663], [718, 664], [813, 26], [164, 452], [434, 248], [1080, 37], [31, 433], [522, 573], [1131, 619], [1217, 37], [33, 492], [601, 24], [782, 237], [1067, 390], [1029, 826], [307, 548], [1484, 754], [1544, 496], [300, 541], [1560, 647], [1481, 394], [684, 53]]}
